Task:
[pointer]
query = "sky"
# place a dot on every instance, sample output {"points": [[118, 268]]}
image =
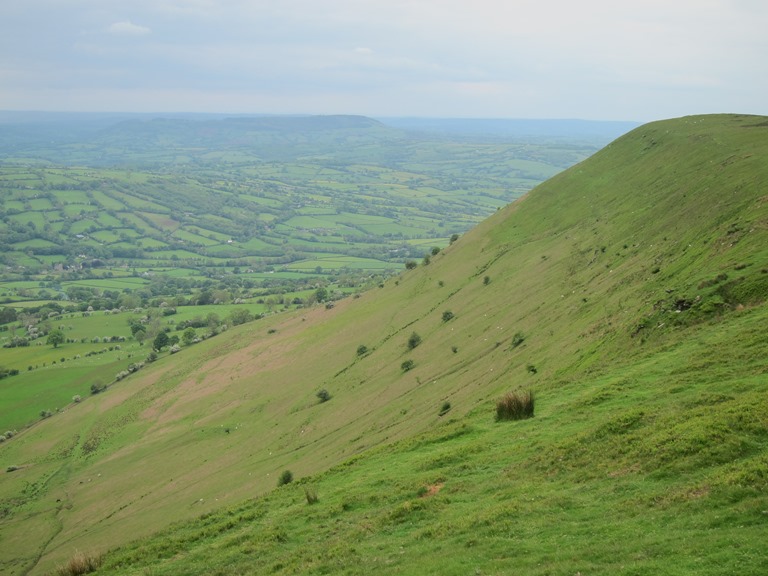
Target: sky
{"points": [[589, 59]]}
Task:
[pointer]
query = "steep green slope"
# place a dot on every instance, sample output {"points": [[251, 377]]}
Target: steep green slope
{"points": [[628, 293]]}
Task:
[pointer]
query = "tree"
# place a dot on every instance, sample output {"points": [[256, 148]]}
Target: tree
{"points": [[413, 341], [56, 337], [161, 340], [321, 294], [189, 335]]}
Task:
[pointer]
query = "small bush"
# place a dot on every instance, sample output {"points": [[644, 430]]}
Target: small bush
{"points": [[362, 350], [435, 250], [487, 280], [80, 563], [518, 339], [76, 398], [447, 315], [323, 395], [285, 478], [454, 237], [515, 406], [311, 495], [445, 408], [11, 468], [531, 369], [98, 387], [407, 365], [413, 341], [410, 264]]}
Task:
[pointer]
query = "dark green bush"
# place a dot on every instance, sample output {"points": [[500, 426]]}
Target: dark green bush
{"points": [[445, 408], [407, 365], [447, 315], [286, 477], [413, 341], [362, 350], [323, 395]]}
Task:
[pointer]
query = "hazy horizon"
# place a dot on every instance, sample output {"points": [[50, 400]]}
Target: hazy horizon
{"points": [[485, 59]]}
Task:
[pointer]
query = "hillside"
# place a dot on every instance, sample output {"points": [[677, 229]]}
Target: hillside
{"points": [[628, 293]]}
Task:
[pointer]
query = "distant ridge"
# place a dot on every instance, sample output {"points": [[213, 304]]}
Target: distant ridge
{"points": [[518, 128]]}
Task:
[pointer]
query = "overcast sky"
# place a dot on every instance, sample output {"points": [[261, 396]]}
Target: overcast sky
{"points": [[593, 59]]}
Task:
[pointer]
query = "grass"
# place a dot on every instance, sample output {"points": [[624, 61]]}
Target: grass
{"points": [[80, 563], [647, 454], [515, 406]]}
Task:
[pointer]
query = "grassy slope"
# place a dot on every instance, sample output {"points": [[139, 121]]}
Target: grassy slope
{"points": [[647, 453]]}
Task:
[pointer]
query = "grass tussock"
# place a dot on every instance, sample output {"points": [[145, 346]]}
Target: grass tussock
{"points": [[515, 406], [80, 563]]}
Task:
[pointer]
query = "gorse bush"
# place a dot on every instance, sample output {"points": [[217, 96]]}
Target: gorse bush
{"points": [[515, 406], [285, 478]]}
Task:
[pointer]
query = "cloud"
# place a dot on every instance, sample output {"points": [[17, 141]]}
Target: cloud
{"points": [[128, 28]]}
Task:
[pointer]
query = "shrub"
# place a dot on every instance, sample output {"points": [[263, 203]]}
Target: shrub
{"points": [[362, 350], [285, 478], [410, 264], [311, 495], [175, 348], [76, 398], [98, 387], [518, 339], [454, 237], [80, 563], [515, 406], [407, 365], [413, 341], [45, 413], [487, 280], [447, 315], [435, 250], [323, 395], [445, 408], [11, 468], [531, 368]]}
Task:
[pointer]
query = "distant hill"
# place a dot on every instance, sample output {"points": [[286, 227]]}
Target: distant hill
{"points": [[515, 128], [627, 293]]}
